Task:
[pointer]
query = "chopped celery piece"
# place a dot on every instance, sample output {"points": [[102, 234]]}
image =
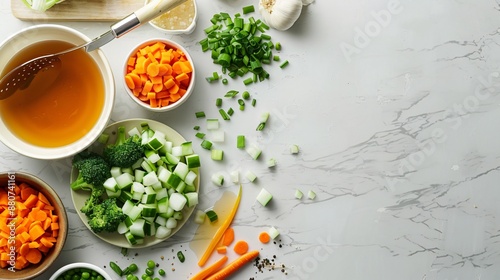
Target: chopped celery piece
{"points": [[311, 194], [271, 162], [218, 179], [212, 216], [273, 233], [250, 176], [199, 217], [294, 149], [264, 197], [253, 151], [217, 154], [298, 194]]}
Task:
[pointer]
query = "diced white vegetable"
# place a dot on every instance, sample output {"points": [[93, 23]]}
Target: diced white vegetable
{"points": [[250, 176], [264, 197], [162, 232], [253, 151], [294, 149], [273, 233], [190, 177], [199, 217], [110, 184], [171, 223], [177, 201], [235, 176], [134, 131], [298, 194], [125, 180], [271, 162], [311, 194], [218, 179], [212, 124], [192, 198], [181, 170], [217, 135], [150, 179], [115, 171]]}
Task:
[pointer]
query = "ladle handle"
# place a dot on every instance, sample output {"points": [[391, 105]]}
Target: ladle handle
{"points": [[143, 15]]}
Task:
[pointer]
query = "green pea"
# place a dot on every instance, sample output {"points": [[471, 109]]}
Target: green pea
{"points": [[132, 268], [151, 264], [150, 271], [161, 272], [85, 275], [181, 257]]}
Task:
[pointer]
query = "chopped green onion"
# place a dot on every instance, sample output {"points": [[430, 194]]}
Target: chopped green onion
{"points": [[248, 81], [230, 111], [240, 141], [284, 64], [278, 46], [200, 135], [264, 117], [218, 102], [264, 197], [254, 102], [207, 145], [224, 115], [276, 58], [251, 176], [212, 124], [248, 9], [253, 151], [231, 93], [196, 127], [200, 114], [218, 179], [224, 81], [271, 162]]}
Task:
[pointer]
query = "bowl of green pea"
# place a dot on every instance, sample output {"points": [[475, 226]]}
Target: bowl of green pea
{"points": [[82, 271]]}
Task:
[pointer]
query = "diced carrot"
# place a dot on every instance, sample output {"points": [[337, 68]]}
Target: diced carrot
{"points": [[174, 89], [47, 223], [148, 86], [131, 61], [54, 226], [31, 201], [4, 256], [35, 232], [26, 192], [21, 262], [43, 198], [34, 244], [221, 249], [157, 87], [46, 242], [4, 198], [24, 249], [169, 83]]}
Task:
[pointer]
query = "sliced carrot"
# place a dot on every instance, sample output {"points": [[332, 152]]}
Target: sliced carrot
{"points": [[26, 192], [241, 247], [129, 81], [35, 232], [210, 269], [228, 237], [153, 69], [33, 256], [31, 201], [43, 198], [264, 237], [24, 249], [218, 235], [234, 266]]}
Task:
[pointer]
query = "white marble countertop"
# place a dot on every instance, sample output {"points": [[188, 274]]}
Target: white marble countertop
{"points": [[393, 104]]}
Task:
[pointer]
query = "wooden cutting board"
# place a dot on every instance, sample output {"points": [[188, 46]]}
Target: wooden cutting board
{"points": [[79, 10]]}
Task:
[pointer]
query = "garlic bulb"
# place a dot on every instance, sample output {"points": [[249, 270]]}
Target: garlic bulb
{"points": [[280, 14]]}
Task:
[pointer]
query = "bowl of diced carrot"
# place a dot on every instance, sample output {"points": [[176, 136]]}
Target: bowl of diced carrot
{"points": [[159, 75], [33, 226]]}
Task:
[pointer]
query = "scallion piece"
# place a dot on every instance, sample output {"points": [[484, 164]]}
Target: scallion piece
{"points": [[196, 127], [248, 9], [248, 81], [212, 124], [276, 58], [200, 114], [230, 111], [224, 115], [224, 81], [284, 64], [200, 135], [277, 46], [240, 141], [207, 145], [254, 102], [231, 93], [218, 102], [294, 149]]}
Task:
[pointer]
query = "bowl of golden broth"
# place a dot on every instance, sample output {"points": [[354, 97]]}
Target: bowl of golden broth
{"points": [[61, 112]]}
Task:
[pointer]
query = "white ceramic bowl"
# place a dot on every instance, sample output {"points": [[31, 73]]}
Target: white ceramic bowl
{"points": [[70, 266], [172, 13], [171, 106], [44, 32]]}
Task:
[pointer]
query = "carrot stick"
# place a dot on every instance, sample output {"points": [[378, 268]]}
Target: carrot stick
{"points": [[210, 269], [234, 266], [241, 247], [220, 232]]}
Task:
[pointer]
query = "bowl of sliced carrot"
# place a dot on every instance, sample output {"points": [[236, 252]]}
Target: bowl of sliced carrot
{"points": [[33, 226], [159, 75]]}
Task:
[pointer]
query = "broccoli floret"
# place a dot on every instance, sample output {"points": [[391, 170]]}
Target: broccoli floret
{"points": [[126, 151], [93, 170], [106, 216], [94, 200]]}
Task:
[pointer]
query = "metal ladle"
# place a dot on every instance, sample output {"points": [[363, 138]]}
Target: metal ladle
{"points": [[21, 77]]}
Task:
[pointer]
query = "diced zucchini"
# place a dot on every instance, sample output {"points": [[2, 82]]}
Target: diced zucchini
{"points": [[110, 184], [311, 194], [177, 201], [218, 179], [171, 223], [273, 233], [162, 232], [199, 217], [181, 170], [192, 198], [298, 194], [250, 176], [217, 154], [193, 161]]}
